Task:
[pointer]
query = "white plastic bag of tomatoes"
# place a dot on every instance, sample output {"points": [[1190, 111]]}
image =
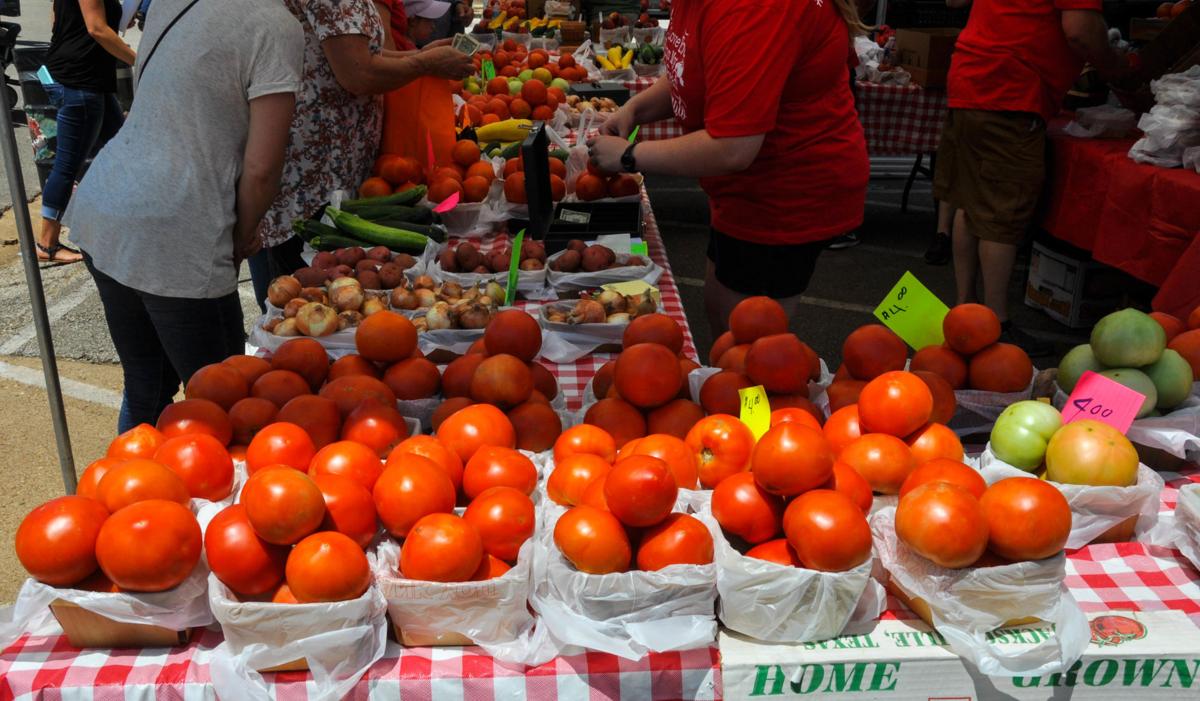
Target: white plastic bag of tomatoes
{"points": [[628, 614], [182, 607], [492, 613], [338, 640], [1094, 510], [1187, 523], [969, 603], [782, 604]]}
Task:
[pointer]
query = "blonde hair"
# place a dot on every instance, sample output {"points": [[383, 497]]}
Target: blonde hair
{"points": [[848, 9]]}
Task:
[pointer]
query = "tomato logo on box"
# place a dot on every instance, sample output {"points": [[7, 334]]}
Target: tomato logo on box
{"points": [[1115, 630]]}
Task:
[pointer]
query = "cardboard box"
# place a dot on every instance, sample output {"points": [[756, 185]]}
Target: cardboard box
{"points": [[1133, 655], [1069, 288], [85, 628], [925, 54]]}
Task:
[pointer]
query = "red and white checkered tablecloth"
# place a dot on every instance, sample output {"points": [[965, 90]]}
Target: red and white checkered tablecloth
{"points": [[654, 131], [900, 120]]}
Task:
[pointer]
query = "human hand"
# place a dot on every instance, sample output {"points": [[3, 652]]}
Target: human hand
{"points": [[244, 248], [606, 151], [446, 62], [436, 43], [619, 123]]}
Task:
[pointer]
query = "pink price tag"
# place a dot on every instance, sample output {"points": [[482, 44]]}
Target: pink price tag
{"points": [[447, 204], [1099, 398]]}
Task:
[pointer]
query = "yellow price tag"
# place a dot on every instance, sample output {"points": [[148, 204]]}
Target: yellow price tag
{"points": [[913, 312], [756, 410]]}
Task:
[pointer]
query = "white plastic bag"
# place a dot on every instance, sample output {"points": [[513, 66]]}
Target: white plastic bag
{"points": [[337, 344], [566, 343], [978, 410], [339, 640], [493, 614], [529, 282], [627, 613], [1176, 432], [781, 604], [576, 282], [1094, 510], [967, 604], [1187, 523], [185, 606], [1107, 121]]}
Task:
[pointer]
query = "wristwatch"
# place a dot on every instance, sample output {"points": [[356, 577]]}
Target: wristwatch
{"points": [[628, 162]]}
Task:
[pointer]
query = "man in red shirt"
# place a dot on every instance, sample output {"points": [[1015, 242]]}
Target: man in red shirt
{"points": [[1012, 66]]}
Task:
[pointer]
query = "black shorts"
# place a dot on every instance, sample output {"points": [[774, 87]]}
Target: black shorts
{"points": [[763, 269]]}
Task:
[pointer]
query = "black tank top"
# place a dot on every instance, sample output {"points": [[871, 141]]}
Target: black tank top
{"points": [[75, 59]]}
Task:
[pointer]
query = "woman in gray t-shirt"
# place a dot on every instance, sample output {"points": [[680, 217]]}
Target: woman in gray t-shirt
{"points": [[171, 206]]}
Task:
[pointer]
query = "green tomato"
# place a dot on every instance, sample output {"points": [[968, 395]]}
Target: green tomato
{"points": [[1022, 431]]}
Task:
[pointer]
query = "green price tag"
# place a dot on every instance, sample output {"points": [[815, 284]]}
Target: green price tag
{"points": [[639, 248], [510, 292], [756, 410], [489, 69], [913, 312]]}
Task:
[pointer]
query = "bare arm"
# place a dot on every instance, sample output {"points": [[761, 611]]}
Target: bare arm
{"points": [[650, 105], [697, 154], [363, 73], [262, 167], [97, 25], [1087, 35], [385, 16]]}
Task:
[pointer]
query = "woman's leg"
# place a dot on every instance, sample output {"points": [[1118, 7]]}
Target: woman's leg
{"points": [[149, 377], [260, 276], [73, 142], [197, 332]]}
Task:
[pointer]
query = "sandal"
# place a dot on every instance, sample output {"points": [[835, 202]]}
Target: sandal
{"points": [[50, 254]]}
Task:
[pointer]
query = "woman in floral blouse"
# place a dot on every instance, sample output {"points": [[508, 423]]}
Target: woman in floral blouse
{"points": [[335, 133]]}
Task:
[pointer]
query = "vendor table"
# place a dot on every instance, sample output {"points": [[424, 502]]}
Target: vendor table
{"points": [[900, 120], [1138, 218], [665, 129]]}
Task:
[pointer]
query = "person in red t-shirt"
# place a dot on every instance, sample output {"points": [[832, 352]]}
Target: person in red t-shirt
{"points": [[1011, 69], [772, 133]]}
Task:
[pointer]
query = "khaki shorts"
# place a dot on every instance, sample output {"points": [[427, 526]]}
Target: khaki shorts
{"points": [[991, 165]]}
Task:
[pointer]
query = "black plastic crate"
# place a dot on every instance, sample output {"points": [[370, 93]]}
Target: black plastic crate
{"points": [[587, 220]]}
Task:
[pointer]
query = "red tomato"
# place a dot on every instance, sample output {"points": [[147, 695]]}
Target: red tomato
{"points": [[794, 415], [778, 551], [247, 564], [885, 461], [467, 430], [376, 426], [441, 548], [945, 470], [933, 441], [1028, 519], [745, 509], [679, 540], [722, 445], [593, 495], [593, 540], [141, 441], [943, 523], [349, 508], [89, 481], [56, 542], [493, 466], [202, 462], [640, 490], [280, 443], [504, 518], [283, 504], [138, 480], [670, 450], [790, 459], [195, 416], [846, 480], [149, 546], [585, 438], [414, 488], [828, 531], [572, 476], [433, 449], [842, 428], [896, 403], [327, 566], [490, 567], [349, 459]]}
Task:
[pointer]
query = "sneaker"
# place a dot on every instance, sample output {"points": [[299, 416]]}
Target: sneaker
{"points": [[849, 240], [1032, 345], [939, 250]]}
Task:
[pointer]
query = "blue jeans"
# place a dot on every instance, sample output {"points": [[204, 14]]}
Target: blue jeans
{"points": [[86, 121], [161, 341]]}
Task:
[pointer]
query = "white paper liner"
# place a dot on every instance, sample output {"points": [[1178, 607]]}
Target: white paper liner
{"points": [[576, 282], [1094, 510], [1187, 523], [966, 604], [339, 640], [627, 613], [978, 410]]}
